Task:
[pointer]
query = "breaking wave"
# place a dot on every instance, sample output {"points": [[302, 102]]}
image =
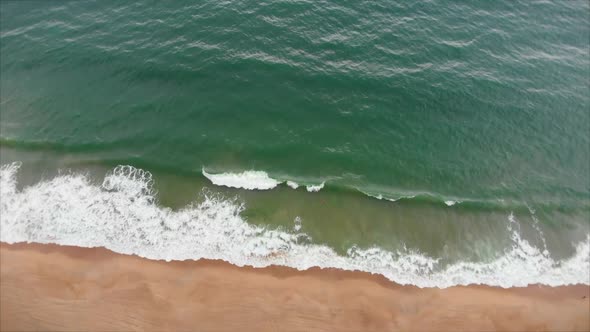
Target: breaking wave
{"points": [[251, 180], [122, 215], [254, 180]]}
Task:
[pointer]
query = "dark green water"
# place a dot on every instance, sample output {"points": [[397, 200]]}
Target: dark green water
{"points": [[484, 105]]}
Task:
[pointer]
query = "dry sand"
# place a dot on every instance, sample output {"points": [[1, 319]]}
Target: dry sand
{"points": [[49, 287]]}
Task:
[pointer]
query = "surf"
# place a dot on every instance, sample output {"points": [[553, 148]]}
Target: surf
{"points": [[122, 214]]}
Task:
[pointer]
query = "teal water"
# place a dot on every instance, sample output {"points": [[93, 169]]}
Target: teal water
{"points": [[458, 116]]}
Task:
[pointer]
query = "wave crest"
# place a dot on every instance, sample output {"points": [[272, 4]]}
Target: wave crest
{"points": [[251, 180], [315, 188]]}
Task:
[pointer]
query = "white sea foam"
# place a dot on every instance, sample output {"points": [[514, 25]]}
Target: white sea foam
{"points": [[121, 215], [381, 197], [297, 224], [293, 184], [251, 180], [315, 188]]}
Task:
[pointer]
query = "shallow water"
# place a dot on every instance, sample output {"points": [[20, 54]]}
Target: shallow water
{"points": [[439, 129]]}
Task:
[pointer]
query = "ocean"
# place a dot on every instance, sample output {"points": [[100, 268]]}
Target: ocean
{"points": [[437, 143]]}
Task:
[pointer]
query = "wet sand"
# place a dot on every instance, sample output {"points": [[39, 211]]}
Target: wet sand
{"points": [[49, 287]]}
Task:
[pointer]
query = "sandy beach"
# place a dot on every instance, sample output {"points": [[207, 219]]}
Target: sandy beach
{"points": [[50, 287]]}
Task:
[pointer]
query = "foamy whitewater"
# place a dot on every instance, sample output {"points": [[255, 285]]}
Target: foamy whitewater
{"points": [[315, 188], [121, 214], [247, 180], [254, 180]]}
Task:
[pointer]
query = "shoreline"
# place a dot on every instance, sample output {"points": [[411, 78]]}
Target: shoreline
{"points": [[52, 287]]}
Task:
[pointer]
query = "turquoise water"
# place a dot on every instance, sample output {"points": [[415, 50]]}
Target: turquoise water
{"points": [[434, 127]]}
